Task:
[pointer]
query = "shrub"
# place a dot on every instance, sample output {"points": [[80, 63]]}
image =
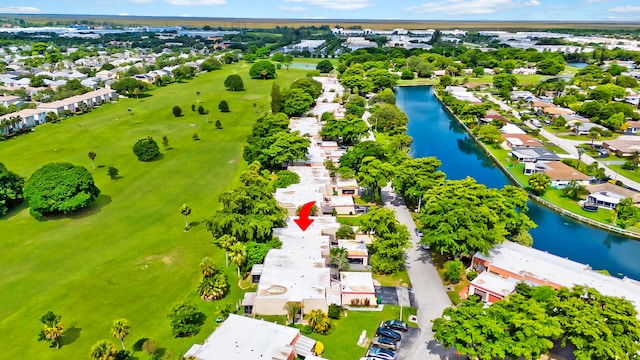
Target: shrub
{"points": [[150, 346], [186, 319], [195, 136], [453, 271], [202, 110], [324, 66], [73, 189], [112, 172], [177, 111], [472, 275], [345, 232], [319, 348], [223, 106], [218, 124], [146, 149], [165, 141], [334, 311], [193, 107], [306, 330]]}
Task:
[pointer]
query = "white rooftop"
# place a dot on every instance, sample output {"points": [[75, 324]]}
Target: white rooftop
{"points": [[243, 338], [298, 194], [354, 247], [511, 129], [519, 259], [311, 174], [342, 201], [305, 125], [495, 283], [356, 282]]}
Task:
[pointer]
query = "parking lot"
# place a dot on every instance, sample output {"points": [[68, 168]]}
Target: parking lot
{"points": [[409, 338]]}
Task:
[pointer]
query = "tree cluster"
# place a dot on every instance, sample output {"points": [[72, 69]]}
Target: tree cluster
{"points": [[11, 185], [526, 324], [347, 130], [390, 240], [214, 284], [273, 145], [462, 217], [186, 319]]}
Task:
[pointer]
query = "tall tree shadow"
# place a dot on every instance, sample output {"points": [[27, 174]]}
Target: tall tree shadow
{"points": [[70, 336]]}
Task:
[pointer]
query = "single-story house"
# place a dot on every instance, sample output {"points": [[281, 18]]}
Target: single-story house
{"points": [[558, 111], [357, 252], [609, 195], [8, 100], [510, 128], [520, 140], [525, 155], [537, 267], [622, 147], [562, 174], [345, 187], [357, 288], [633, 127], [491, 287], [343, 205], [585, 128], [539, 105], [244, 338]]}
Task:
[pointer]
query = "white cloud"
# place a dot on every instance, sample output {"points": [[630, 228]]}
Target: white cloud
{"points": [[196, 2], [19, 10], [459, 7], [142, 1], [625, 9], [292, 8], [336, 4], [123, 14]]}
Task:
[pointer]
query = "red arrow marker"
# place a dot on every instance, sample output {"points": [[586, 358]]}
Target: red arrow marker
{"points": [[303, 221]]}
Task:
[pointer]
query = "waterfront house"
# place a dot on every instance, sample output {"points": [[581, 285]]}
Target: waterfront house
{"points": [[534, 154], [561, 174], [608, 196], [535, 267], [244, 338], [511, 129], [520, 141], [491, 287]]}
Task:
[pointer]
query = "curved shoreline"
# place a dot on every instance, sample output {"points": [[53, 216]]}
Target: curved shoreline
{"points": [[555, 208]]}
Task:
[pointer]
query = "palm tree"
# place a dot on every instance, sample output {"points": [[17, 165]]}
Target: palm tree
{"points": [[103, 350], [121, 329], [225, 242], [580, 152], [238, 254], [186, 211], [54, 333], [577, 125], [92, 156], [198, 96], [208, 267], [293, 309], [339, 258], [594, 134]]}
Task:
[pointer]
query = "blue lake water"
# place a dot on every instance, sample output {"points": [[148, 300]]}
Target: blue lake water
{"points": [[579, 65], [437, 133]]}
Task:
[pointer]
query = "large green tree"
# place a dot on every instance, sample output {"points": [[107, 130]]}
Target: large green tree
{"points": [[11, 185], [324, 66], [461, 217], [388, 118], [414, 176], [234, 82], [390, 239], [375, 174], [538, 183], [60, 187], [295, 102], [347, 130], [128, 86], [146, 149], [185, 318], [263, 69]]}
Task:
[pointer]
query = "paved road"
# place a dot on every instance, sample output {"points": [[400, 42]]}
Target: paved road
{"points": [[430, 296], [570, 146]]}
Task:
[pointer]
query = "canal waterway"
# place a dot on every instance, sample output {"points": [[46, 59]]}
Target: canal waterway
{"points": [[437, 133]]}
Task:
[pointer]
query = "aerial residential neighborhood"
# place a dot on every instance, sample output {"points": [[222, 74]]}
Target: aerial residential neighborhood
{"points": [[223, 181]]}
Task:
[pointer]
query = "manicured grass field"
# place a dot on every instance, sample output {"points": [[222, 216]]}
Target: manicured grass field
{"points": [[126, 256]]}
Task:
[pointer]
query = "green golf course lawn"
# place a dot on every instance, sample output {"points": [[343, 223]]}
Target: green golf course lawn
{"points": [[127, 255]]}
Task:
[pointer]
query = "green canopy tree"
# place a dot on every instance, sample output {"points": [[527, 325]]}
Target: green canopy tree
{"points": [[146, 149], [276, 98], [374, 174], [347, 130], [263, 69], [234, 82], [387, 118], [490, 134], [414, 176], [60, 187], [296, 102], [185, 318], [11, 185], [324, 66]]}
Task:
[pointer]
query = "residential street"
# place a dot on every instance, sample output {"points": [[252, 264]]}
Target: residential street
{"points": [[570, 146], [429, 293]]}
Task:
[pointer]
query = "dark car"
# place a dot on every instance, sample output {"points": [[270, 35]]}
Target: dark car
{"points": [[380, 353], [396, 325], [384, 342], [383, 331]]}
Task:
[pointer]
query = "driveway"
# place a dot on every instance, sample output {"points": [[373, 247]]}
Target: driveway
{"points": [[430, 297]]}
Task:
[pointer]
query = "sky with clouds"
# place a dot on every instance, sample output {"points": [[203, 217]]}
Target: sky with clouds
{"points": [[508, 10]]}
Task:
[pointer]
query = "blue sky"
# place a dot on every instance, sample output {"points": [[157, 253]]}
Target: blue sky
{"points": [[557, 10]]}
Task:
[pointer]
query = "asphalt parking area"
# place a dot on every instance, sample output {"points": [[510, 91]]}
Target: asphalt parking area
{"points": [[387, 294], [409, 338]]}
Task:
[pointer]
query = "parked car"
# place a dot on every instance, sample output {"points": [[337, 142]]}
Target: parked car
{"points": [[396, 324], [383, 331], [419, 233], [425, 246], [536, 123], [384, 342], [380, 353]]}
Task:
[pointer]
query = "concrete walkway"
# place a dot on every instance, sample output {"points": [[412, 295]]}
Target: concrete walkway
{"points": [[570, 146], [429, 293]]}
